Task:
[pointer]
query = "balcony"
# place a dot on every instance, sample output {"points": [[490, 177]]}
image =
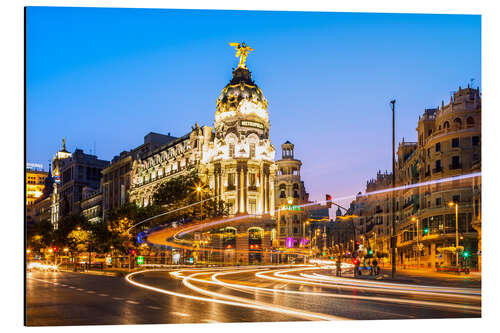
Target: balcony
{"points": [[252, 188], [456, 166]]}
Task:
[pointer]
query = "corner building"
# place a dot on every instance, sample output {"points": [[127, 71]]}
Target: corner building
{"points": [[449, 145]]}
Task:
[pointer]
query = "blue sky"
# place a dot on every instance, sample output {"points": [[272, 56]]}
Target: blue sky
{"points": [[110, 76]]}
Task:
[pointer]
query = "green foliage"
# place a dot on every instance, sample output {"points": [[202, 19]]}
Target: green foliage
{"points": [[186, 196], [66, 225], [39, 235]]}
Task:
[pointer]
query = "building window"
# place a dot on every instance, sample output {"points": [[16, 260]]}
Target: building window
{"points": [[252, 150], [475, 140], [455, 162], [252, 206], [438, 146], [231, 150], [455, 142], [251, 179], [231, 180], [438, 166], [470, 121], [438, 202], [456, 198]]}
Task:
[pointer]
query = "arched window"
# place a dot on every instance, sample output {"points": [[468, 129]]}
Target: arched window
{"points": [[470, 121], [457, 123], [446, 125], [282, 191]]}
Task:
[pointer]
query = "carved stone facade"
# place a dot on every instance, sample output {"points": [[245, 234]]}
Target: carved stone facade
{"points": [[449, 145]]}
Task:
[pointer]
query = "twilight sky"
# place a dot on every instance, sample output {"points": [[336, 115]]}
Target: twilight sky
{"points": [[107, 77]]}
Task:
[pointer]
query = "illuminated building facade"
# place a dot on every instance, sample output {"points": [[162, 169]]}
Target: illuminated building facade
{"points": [[449, 145], [35, 186], [117, 177], [235, 158], [290, 193], [72, 173]]}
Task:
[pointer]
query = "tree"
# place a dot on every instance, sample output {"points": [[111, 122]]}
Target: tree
{"points": [[122, 219], [79, 239], [66, 225], [189, 196], [39, 235]]}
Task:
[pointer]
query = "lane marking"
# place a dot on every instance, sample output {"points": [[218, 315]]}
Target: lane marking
{"points": [[80, 289], [210, 321], [118, 298], [90, 292], [131, 302], [102, 295], [180, 314], [154, 307]]}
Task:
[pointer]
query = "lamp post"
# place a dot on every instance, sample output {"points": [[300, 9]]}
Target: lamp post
{"points": [[199, 191], [414, 219], [393, 234], [455, 204]]}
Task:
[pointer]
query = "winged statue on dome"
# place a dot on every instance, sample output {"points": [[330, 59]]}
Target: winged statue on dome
{"points": [[242, 52]]}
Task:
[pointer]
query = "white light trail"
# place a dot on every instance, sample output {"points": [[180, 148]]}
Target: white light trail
{"points": [[247, 304], [252, 290]]}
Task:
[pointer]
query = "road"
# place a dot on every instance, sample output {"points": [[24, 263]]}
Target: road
{"points": [[246, 294]]}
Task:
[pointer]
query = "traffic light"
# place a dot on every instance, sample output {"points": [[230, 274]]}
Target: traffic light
{"points": [[357, 246], [133, 252], [328, 200], [54, 248], [465, 254], [370, 252], [426, 231]]}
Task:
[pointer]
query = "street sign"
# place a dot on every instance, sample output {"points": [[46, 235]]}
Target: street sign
{"points": [[140, 260]]}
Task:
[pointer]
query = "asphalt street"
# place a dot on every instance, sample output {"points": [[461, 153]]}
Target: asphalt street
{"points": [[251, 294]]}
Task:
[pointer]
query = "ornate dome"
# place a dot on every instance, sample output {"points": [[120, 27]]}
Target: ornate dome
{"points": [[241, 95]]}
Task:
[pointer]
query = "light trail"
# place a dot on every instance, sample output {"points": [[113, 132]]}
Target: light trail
{"points": [[407, 187], [247, 304], [438, 289], [205, 225], [252, 289], [281, 276], [261, 305]]}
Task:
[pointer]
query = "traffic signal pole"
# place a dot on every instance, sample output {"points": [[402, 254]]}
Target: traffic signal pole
{"points": [[393, 236]]}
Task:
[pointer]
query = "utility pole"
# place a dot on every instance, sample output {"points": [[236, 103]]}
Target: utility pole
{"points": [[393, 236]]}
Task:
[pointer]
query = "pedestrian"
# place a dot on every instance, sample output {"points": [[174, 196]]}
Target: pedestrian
{"points": [[339, 267], [375, 266]]}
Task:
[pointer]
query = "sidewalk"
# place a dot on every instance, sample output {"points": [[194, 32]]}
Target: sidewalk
{"points": [[423, 277]]}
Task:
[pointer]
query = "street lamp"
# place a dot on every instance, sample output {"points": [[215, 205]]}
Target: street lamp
{"points": [[414, 219], [455, 204], [393, 185]]}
